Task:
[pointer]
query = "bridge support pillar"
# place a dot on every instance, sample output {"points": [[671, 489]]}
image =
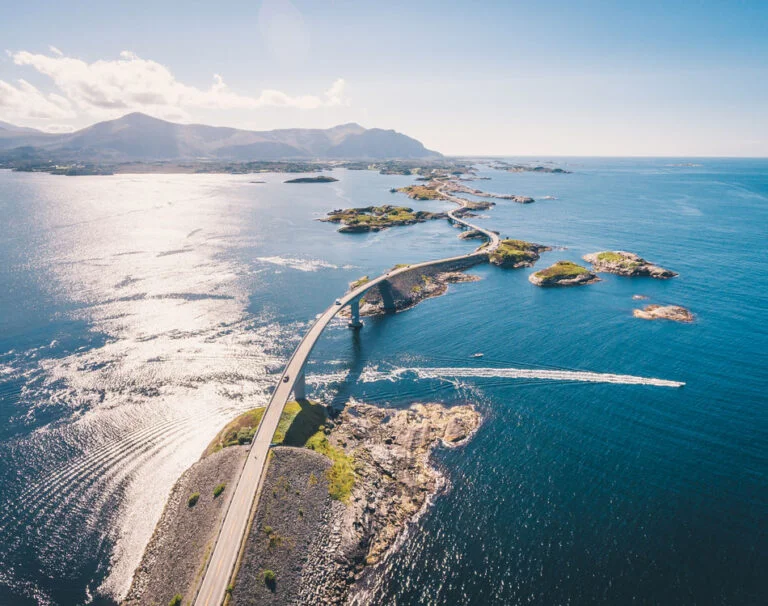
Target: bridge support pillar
{"points": [[300, 387], [354, 314]]}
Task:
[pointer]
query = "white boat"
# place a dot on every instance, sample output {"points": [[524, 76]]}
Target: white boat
{"points": [[477, 355]]}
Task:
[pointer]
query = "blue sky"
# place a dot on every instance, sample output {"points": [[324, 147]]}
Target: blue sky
{"points": [[557, 78]]}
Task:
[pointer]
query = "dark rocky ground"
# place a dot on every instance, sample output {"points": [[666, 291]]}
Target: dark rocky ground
{"points": [[184, 536], [292, 515]]}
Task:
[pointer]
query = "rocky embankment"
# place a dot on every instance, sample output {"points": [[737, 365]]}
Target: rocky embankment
{"points": [[183, 539], [395, 482], [376, 218], [626, 264], [676, 313], [563, 273], [406, 290]]}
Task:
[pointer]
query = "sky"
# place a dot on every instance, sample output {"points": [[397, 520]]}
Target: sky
{"points": [[590, 78]]}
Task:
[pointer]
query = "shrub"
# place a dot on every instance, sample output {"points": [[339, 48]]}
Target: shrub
{"points": [[230, 589], [193, 498], [175, 600], [270, 578], [219, 489], [268, 530]]}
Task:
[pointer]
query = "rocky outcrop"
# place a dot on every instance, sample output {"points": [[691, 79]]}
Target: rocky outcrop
{"points": [[676, 313], [517, 253], [563, 273], [376, 218], [395, 482], [472, 234], [626, 264], [408, 289], [456, 187]]}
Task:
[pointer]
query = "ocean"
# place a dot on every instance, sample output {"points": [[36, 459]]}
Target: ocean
{"points": [[139, 313]]}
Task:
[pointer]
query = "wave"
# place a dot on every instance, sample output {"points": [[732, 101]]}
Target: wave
{"points": [[300, 264]]}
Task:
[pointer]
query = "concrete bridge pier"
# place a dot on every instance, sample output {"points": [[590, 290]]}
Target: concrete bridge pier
{"points": [[387, 297], [300, 386], [354, 312]]}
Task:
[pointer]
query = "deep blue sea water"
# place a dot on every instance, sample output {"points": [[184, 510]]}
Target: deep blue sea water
{"points": [[139, 313]]}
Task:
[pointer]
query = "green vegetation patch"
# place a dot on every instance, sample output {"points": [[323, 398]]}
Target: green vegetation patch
{"points": [[238, 431], [193, 499], [359, 282], [341, 475], [562, 270], [516, 253], [299, 421], [218, 490], [269, 578], [421, 192], [176, 600]]}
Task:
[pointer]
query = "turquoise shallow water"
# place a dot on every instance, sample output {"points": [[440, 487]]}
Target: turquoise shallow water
{"points": [[139, 313]]}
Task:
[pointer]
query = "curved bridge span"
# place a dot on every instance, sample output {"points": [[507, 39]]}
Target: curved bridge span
{"points": [[232, 534]]}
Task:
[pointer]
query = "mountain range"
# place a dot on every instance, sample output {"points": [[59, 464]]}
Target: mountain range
{"points": [[142, 138]]}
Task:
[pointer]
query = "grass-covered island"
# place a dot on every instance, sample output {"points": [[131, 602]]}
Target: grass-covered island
{"points": [[375, 218], [676, 313], [517, 253], [563, 273], [318, 179], [626, 264], [421, 192]]}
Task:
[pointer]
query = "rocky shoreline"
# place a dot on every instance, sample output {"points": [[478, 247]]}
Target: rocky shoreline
{"points": [[395, 483], [407, 290], [626, 264], [676, 313], [563, 273]]}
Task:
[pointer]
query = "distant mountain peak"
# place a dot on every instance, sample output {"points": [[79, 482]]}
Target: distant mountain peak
{"points": [[139, 137]]}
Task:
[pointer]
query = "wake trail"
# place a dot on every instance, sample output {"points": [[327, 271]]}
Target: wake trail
{"points": [[553, 375]]}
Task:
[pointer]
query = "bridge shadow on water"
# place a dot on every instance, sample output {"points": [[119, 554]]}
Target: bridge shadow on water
{"points": [[362, 341]]}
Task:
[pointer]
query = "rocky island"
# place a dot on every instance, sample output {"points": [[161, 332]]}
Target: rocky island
{"points": [[318, 179], [626, 264], [456, 187], [676, 313], [406, 290], [517, 253], [375, 218], [563, 273]]}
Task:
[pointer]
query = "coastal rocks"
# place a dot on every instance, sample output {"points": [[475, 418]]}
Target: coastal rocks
{"points": [[626, 264], [563, 273], [185, 534], [318, 179], [676, 313], [455, 187], [395, 483], [517, 253], [472, 234], [408, 289], [375, 218]]}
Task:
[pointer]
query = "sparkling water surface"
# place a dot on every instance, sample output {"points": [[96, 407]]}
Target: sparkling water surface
{"points": [[138, 313]]}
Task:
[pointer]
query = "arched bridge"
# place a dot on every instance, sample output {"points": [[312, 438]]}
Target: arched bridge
{"points": [[235, 525]]}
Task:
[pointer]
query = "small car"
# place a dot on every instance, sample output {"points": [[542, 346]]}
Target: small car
{"points": [[338, 301], [286, 378]]}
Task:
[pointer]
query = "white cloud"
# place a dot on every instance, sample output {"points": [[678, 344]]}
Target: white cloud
{"points": [[107, 88], [55, 51], [26, 101]]}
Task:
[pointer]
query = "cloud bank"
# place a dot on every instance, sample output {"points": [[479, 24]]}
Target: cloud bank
{"points": [[106, 88]]}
